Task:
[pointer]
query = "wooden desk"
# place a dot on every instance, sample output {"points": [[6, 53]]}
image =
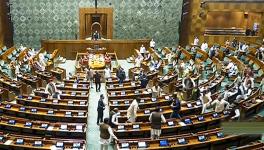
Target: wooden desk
{"points": [[144, 131], [59, 73], [52, 129], [38, 101], [125, 86], [47, 143], [43, 113], [69, 48], [27, 78]]}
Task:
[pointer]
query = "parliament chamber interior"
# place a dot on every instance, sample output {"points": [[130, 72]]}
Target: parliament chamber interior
{"points": [[132, 74]]}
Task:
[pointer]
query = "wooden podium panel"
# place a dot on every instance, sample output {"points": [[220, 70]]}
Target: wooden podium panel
{"points": [[69, 48]]}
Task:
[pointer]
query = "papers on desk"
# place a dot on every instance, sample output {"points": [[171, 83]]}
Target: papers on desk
{"points": [[50, 128], [133, 84], [182, 124]]}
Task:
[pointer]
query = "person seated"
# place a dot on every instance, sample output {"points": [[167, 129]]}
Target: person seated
{"points": [[260, 53], [138, 61], [51, 87], [233, 70], [37, 66], [157, 64], [96, 35], [204, 46], [147, 56]]}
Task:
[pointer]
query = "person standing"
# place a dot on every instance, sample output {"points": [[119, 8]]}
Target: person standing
{"points": [[107, 72], [97, 80], [113, 121], [121, 75], [156, 118], [132, 111], [152, 44], [89, 76], [142, 50], [106, 133], [176, 107], [51, 87], [156, 91], [100, 109]]}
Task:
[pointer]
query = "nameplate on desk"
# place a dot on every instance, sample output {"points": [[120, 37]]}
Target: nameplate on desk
{"points": [[44, 125], [124, 145], [79, 127], [200, 118], [50, 112], [28, 124], [182, 141], [136, 126], [38, 143], [63, 127], [133, 84], [43, 100], [81, 114], [198, 103], [76, 145], [55, 101], [170, 123], [115, 102], [142, 145], [189, 105], [215, 115], [22, 109], [220, 134], [82, 103], [147, 111], [34, 110], [68, 114], [123, 92], [120, 127], [201, 138], [20, 141]]}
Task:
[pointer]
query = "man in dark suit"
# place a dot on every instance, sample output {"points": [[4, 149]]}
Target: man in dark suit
{"points": [[100, 109], [97, 80], [96, 35]]}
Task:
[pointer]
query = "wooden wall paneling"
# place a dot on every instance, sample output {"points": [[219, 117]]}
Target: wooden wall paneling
{"points": [[88, 11]]}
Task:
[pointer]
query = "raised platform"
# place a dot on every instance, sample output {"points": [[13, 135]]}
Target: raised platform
{"points": [[69, 48]]}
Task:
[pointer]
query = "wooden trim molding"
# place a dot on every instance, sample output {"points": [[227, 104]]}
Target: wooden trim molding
{"points": [[89, 11]]}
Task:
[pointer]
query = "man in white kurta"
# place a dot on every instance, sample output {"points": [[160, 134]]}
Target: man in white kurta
{"points": [[132, 111]]}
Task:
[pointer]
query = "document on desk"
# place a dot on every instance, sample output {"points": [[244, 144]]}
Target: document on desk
{"points": [[50, 128], [8, 142], [182, 124]]}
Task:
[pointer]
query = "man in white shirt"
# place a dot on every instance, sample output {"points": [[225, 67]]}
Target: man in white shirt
{"points": [[138, 61], [156, 91], [196, 41], [132, 111], [142, 50], [204, 46], [220, 105], [152, 44], [107, 72]]}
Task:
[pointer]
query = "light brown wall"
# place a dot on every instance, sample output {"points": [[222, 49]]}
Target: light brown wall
{"points": [[199, 16]]}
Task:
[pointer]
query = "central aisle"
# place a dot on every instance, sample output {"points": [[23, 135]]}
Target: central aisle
{"points": [[93, 134]]}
